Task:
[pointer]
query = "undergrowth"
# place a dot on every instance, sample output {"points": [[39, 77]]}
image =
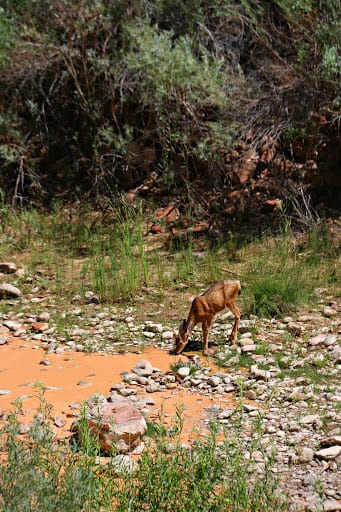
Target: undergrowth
{"points": [[38, 473], [75, 252]]}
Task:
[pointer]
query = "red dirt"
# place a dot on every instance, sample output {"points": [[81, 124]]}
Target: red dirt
{"points": [[21, 367]]}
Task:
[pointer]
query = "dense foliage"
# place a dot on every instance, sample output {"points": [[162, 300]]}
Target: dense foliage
{"points": [[98, 96]]}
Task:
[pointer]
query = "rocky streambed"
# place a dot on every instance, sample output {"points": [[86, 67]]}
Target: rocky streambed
{"points": [[284, 376]]}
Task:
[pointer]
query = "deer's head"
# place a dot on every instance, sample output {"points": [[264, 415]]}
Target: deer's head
{"points": [[181, 338]]}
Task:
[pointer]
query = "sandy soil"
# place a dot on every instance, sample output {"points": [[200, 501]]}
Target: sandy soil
{"points": [[73, 377]]}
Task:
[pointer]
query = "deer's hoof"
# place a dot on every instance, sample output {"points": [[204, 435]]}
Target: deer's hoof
{"points": [[211, 350]]}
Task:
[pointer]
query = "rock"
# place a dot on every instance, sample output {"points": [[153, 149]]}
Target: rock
{"points": [[9, 291], [5, 392], [149, 334], [225, 413], [329, 311], [332, 440], [183, 371], [259, 374], [155, 328], [127, 392], [45, 362], [331, 505], [59, 422], [8, 267], [310, 419], [214, 381], [129, 377], [317, 340], [84, 383], [306, 455], [335, 354], [248, 348], [250, 394], [167, 335], [116, 425], [152, 387], [12, 325], [143, 368], [3, 340], [123, 464], [44, 316], [331, 339], [40, 326], [328, 453]]}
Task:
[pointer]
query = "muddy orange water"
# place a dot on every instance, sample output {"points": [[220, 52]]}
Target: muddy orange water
{"points": [[73, 377]]}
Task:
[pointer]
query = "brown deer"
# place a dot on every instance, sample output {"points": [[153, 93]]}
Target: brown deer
{"points": [[205, 308]]}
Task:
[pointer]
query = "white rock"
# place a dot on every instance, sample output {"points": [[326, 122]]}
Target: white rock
{"points": [[148, 334], [12, 325], [8, 267], [306, 455], [167, 335], [331, 505], [183, 371], [143, 368], [8, 290], [328, 453]]}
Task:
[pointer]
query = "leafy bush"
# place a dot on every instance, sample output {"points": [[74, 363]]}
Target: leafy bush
{"points": [[7, 38]]}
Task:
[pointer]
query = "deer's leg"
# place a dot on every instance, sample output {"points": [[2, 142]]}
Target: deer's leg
{"points": [[206, 326], [236, 311]]}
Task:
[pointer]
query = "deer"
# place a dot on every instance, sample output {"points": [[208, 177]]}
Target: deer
{"points": [[204, 310]]}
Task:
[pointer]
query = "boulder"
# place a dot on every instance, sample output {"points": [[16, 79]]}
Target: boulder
{"points": [[118, 426]]}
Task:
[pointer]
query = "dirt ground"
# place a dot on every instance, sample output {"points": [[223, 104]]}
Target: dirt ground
{"points": [[73, 377]]}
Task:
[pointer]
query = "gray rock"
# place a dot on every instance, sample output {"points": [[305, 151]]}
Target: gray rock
{"points": [[259, 374], [310, 419], [328, 453], [9, 291], [335, 354], [167, 335], [250, 394], [306, 455], [12, 325], [153, 387], [84, 383], [8, 267], [225, 413], [331, 505], [44, 317], [214, 381], [143, 368], [332, 440], [248, 348], [317, 340]]}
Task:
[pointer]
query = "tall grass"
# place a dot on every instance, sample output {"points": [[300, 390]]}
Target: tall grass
{"points": [[283, 272], [109, 255]]}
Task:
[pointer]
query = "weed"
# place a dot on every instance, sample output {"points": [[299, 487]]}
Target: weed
{"points": [[193, 367], [209, 476]]}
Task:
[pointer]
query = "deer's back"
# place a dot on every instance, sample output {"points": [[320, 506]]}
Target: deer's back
{"points": [[215, 299]]}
